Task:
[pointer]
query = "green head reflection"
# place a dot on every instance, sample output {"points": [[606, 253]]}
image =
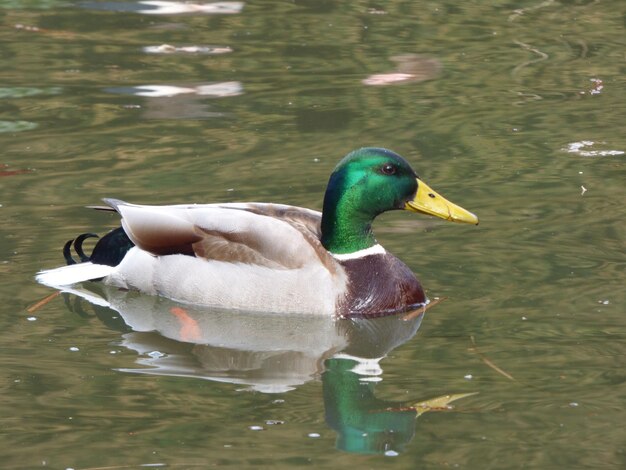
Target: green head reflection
{"points": [[364, 424]]}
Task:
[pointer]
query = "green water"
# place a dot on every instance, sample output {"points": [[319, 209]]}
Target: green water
{"points": [[514, 110]]}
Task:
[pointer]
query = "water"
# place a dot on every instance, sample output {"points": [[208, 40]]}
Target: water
{"points": [[515, 110]]}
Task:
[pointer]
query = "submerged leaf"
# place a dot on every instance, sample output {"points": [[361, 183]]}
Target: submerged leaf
{"points": [[441, 403]]}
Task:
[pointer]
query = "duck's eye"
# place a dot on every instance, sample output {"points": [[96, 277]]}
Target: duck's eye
{"points": [[388, 169]]}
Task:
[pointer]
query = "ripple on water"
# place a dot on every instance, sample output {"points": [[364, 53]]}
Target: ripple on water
{"points": [[16, 126]]}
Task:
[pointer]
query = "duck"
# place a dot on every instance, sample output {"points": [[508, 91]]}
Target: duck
{"points": [[268, 257]]}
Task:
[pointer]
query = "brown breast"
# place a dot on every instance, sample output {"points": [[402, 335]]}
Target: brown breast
{"points": [[379, 284]]}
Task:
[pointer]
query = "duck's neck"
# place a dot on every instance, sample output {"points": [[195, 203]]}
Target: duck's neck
{"points": [[346, 226], [341, 235]]}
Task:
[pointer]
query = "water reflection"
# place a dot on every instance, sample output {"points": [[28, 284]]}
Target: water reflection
{"points": [[24, 91], [582, 148], [218, 90], [180, 102], [409, 68], [190, 49], [364, 423], [16, 126], [158, 7], [272, 354]]}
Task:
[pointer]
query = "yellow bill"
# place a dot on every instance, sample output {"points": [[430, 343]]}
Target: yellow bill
{"points": [[429, 202]]}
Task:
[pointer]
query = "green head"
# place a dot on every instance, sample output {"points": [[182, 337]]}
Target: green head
{"points": [[368, 182]]}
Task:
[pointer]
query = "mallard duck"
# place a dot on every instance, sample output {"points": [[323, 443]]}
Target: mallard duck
{"points": [[271, 257]]}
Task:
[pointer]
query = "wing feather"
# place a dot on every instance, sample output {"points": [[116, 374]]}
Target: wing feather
{"points": [[270, 235]]}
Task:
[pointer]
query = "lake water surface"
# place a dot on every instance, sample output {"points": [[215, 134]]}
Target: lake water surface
{"points": [[515, 110]]}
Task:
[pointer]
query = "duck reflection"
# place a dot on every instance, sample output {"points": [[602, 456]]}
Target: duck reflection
{"points": [[163, 7], [180, 102], [273, 354]]}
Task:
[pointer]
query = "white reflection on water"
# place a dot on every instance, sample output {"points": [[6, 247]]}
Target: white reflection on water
{"points": [[269, 353], [159, 7], [193, 49], [22, 91], [409, 68], [580, 148], [219, 90], [16, 126]]}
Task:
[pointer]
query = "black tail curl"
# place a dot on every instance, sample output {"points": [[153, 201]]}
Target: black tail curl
{"points": [[110, 249], [78, 247]]}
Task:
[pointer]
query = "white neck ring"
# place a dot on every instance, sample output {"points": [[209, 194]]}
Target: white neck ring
{"points": [[372, 250]]}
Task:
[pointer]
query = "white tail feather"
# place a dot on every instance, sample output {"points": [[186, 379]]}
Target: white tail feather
{"points": [[67, 275]]}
